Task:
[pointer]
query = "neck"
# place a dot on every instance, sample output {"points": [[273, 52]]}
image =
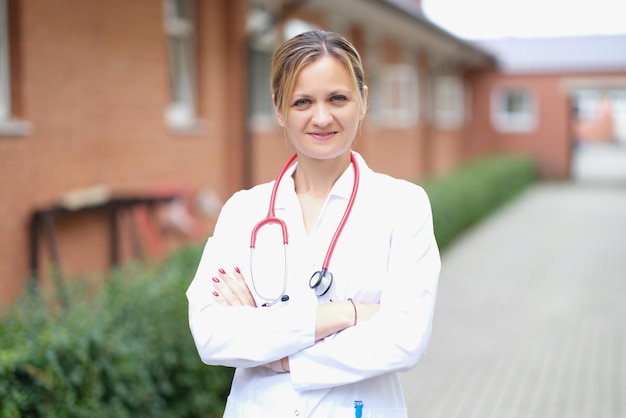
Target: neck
{"points": [[317, 177]]}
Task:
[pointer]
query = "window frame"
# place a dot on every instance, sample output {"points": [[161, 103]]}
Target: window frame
{"points": [[260, 119], [519, 121], [9, 125], [401, 79], [450, 101], [181, 114]]}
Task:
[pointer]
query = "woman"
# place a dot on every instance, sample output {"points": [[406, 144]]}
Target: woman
{"points": [[333, 350]]}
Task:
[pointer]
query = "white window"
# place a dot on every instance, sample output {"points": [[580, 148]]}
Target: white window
{"points": [[261, 110], [5, 84], [8, 125], [449, 102], [263, 40], [179, 21], [395, 96], [513, 110], [619, 115], [295, 27], [587, 104]]}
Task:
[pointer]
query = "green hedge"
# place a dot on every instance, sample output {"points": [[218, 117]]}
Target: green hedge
{"points": [[125, 351], [467, 195]]}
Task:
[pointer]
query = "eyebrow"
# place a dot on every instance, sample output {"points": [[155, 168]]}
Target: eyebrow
{"points": [[332, 93]]}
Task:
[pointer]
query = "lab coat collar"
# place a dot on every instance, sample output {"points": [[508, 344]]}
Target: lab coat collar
{"points": [[341, 189]]}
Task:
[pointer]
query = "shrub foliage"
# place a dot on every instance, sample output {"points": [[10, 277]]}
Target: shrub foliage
{"points": [[467, 195], [121, 352]]}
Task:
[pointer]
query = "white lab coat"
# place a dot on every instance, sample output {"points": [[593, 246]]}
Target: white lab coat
{"points": [[386, 254]]}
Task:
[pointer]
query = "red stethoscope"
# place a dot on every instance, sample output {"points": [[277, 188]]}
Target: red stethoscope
{"points": [[321, 280]]}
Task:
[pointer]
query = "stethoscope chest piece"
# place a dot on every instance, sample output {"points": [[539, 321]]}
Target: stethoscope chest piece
{"points": [[321, 281]]}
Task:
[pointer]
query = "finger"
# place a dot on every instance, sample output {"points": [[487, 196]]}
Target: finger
{"points": [[225, 293], [247, 294], [218, 298], [238, 287]]}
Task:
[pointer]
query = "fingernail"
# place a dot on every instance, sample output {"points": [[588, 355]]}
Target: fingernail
{"points": [[216, 294], [237, 270], [216, 280], [222, 271]]}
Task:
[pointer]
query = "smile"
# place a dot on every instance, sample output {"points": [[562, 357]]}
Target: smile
{"points": [[322, 135]]}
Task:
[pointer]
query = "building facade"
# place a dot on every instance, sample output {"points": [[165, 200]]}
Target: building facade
{"points": [[125, 125]]}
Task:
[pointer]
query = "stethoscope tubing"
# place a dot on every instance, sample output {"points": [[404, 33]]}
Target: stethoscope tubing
{"points": [[346, 214], [271, 218]]}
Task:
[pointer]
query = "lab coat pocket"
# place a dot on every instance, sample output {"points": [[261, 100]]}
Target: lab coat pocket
{"points": [[374, 413]]}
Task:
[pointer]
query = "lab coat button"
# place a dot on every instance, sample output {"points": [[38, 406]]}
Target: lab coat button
{"points": [[296, 413]]}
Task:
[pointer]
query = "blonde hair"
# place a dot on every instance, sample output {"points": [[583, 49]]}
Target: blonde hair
{"points": [[303, 49]]}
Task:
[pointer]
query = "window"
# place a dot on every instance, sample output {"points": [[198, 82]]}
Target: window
{"points": [[587, 104], [295, 27], [9, 126], [263, 40], [395, 96], [5, 85], [261, 109], [179, 18], [619, 115], [449, 102], [513, 110]]}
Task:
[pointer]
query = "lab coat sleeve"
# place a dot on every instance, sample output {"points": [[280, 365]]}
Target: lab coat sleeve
{"points": [[398, 334], [241, 336]]}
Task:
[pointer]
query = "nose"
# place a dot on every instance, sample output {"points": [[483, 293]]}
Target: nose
{"points": [[322, 115]]}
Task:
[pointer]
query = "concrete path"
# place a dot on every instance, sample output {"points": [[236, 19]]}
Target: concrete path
{"points": [[531, 312]]}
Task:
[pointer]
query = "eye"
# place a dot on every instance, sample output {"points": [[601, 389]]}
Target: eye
{"points": [[301, 102], [338, 98]]}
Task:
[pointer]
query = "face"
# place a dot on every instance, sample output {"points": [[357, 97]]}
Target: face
{"points": [[324, 111]]}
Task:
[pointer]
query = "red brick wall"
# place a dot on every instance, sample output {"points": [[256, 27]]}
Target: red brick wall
{"points": [[93, 79], [549, 142]]}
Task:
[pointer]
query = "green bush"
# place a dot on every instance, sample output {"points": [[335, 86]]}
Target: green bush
{"points": [[123, 351], [467, 195]]}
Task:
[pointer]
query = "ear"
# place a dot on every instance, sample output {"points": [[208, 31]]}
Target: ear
{"points": [[364, 106], [278, 113]]}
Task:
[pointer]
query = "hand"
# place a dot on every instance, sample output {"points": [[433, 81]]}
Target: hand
{"points": [[365, 311], [279, 366], [232, 290]]}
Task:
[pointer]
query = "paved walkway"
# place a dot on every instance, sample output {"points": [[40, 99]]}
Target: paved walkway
{"points": [[531, 313]]}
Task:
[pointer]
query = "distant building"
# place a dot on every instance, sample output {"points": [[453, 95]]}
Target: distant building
{"points": [[549, 94]]}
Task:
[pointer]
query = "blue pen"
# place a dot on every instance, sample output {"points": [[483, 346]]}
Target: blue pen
{"points": [[358, 409]]}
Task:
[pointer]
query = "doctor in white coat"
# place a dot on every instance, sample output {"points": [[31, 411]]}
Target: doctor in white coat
{"points": [[333, 295]]}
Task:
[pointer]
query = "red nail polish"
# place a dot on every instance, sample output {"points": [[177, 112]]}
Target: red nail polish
{"points": [[237, 270], [222, 271], [216, 280], [216, 294]]}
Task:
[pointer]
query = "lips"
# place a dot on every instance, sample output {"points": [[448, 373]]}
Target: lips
{"points": [[323, 135]]}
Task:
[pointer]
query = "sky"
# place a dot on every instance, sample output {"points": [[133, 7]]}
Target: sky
{"points": [[482, 19]]}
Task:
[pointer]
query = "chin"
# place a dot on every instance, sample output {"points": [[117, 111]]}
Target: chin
{"points": [[324, 151]]}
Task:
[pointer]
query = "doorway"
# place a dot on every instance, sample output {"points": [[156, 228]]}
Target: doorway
{"points": [[599, 135]]}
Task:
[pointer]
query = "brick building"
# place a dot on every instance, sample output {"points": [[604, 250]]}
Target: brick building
{"points": [[548, 95], [109, 110]]}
